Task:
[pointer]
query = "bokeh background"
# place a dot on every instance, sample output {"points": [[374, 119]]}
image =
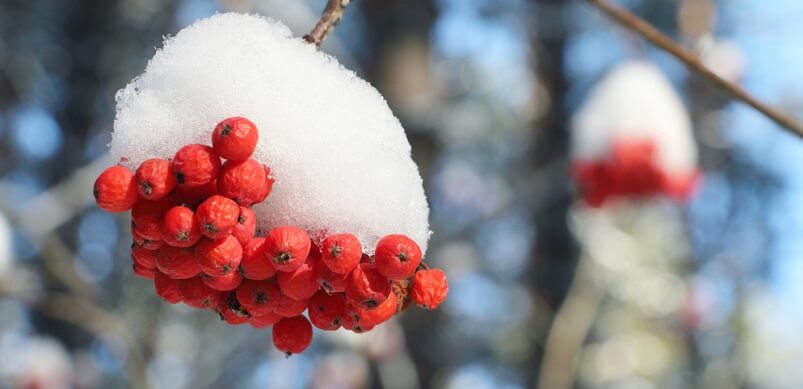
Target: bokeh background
{"points": [[647, 294]]}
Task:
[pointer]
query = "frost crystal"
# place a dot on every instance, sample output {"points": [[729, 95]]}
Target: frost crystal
{"points": [[340, 158]]}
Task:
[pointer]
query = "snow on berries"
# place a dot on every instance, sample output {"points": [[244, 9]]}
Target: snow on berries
{"points": [[264, 206], [633, 138]]}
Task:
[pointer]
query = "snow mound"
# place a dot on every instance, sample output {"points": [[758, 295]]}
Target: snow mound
{"points": [[340, 158], [635, 100]]}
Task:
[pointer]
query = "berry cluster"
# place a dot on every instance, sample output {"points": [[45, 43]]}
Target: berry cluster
{"points": [[195, 235]]}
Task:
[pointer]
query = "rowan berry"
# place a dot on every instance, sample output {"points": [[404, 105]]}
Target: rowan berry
{"points": [[217, 216], [167, 288], [266, 187], [341, 252], [330, 281], [397, 257], [191, 197], [177, 262], [180, 227], [366, 288], [242, 181], [259, 297], [230, 311], [144, 257], [219, 257], [115, 189], [146, 218], [196, 294], [287, 248], [254, 265], [300, 284], [223, 283], [289, 307], [351, 324], [265, 321], [235, 138], [378, 315], [145, 243], [246, 226], [143, 271], [292, 335], [195, 165], [155, 179], [326, 310], [430, 288]]}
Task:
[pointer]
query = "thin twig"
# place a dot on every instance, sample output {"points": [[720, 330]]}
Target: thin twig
{"points": [[329, 19], [659, 39]]}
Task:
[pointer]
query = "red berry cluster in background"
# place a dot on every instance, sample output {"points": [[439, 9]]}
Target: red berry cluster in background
{"points": [[195, 235]]}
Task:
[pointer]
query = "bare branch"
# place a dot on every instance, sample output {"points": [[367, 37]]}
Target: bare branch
{"points": [[329, 19], [659, 39]]}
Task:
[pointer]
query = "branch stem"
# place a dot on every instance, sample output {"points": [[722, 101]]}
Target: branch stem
{"points": [[329, 19]]}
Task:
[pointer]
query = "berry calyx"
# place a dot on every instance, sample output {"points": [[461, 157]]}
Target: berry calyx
{"points": [[287, 248], [259, 297], [397, 257], [180, 227], [430, 288], [366, 288], [330, 281], [195, 165], [378, 315], [217, 216], [292, 335], [115, 189], [326, 311], [219, 257], [235, 138], [155, 179], [230, 311], [341, 252], [254, 265]]}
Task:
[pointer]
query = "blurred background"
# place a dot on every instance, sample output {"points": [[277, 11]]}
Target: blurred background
{"points": [[648, 294]]}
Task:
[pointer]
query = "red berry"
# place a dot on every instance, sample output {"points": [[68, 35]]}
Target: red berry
{"points": [[235, 138], [230, 311], [330, 281], [115, 189], [351, 324], [195, 165], [145, 243], [242, 181], [143, 257], [217, 216], [292, 335], [397, 257], [180, 227], [254, 264], [299, 284], [196, 294], [143, 271], [191, 197], [430, 288], [265, 321], [289, 307], [146, 218], [155, 179], [267, 187], [287, 248], [219, 257], [224, 283], [167, 288], [378, 315], [177, 262], [246, 226], [326, 310], [341, 252], [366, 288], [259, 297]]}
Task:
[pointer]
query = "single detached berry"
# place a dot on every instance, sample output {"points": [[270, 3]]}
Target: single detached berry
{"points": [[180, 227], [378, 315], [195, 165], [366, 288], [397, 257], [177, 262], [167, 288], [259, 297], [326, 310], [299, 284], [265, 321], [235, 138], [229, 310], [341, 252], [292, 335], [223, 283], [196, 294], [217, 216], [144, 257], [242, 181], [219, 257], [289, 307], [115, 189], [143, 271], [287, 248], [330, 281], [254, 265], [155, 179], [246, 226], [429, 288]]}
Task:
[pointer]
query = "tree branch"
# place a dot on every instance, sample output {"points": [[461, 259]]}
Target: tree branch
{"points": [[657, 38], [329, 19]]}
